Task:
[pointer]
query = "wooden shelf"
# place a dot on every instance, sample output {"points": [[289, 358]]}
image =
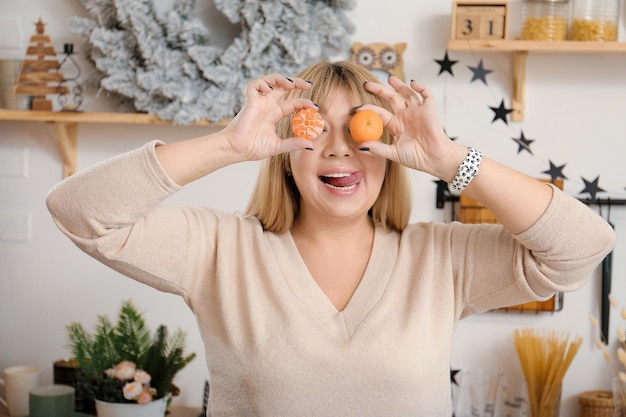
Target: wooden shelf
{"points": [[66, 127], [521, 50]]}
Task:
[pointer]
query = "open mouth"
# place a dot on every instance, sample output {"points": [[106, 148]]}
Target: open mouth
{"points": [[342, 181]]}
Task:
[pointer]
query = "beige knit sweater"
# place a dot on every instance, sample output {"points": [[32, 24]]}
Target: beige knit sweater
{"points": [[275, 345]]}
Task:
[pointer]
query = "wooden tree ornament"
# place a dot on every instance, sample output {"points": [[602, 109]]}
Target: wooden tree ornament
{"points": [[38, 76]]}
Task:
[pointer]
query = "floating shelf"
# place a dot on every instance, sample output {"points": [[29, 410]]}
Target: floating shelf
{"points": [[521, 49], [66, 127]]}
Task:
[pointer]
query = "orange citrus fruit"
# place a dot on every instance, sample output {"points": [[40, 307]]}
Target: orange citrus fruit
{"points": [[366, 125], [307, 123]]}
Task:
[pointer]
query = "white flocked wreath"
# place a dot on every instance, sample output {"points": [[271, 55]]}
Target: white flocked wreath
{"points": [[164, 63]]}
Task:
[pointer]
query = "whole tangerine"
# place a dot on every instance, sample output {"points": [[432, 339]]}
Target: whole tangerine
{"points": [[366, 125], [307, 123]]}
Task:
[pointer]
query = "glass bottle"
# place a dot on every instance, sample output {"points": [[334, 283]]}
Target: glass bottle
{"points": [[595, 20], [545, 20]]}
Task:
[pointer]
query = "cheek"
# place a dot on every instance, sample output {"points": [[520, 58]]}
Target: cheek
{"points": [[301, 165], [378, 169]]}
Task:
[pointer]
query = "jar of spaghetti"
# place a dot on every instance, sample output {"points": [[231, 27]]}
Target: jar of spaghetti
{"points": [[545, 20], [595, 20]]}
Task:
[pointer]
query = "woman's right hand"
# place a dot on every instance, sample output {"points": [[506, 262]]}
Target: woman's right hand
{"points": [[252, 133]]}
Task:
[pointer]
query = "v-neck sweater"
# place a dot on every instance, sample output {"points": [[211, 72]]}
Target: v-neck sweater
{"points": [[275, 345]]}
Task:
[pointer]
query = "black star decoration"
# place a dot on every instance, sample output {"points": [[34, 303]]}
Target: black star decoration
{"points": [[523, 144], [555, 172], [592, 188], [500, 112], [480, 72], [453, 373], [445, 64], [442, 190]]}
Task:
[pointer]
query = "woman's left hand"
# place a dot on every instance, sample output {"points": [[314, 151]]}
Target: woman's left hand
{"points": [[419, 141]]}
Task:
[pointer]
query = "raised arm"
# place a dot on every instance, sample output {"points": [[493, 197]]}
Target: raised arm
{"points": [[116, 194]]}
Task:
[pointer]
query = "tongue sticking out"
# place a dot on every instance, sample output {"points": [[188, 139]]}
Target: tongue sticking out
{"points": [[343, 180]]}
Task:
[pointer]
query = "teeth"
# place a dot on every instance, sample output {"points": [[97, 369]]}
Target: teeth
{"points": [[339, 175], [347, 188]]}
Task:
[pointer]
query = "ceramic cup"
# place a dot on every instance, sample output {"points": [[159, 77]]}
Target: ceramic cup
{"points": [[52, 401], [17, 382]]}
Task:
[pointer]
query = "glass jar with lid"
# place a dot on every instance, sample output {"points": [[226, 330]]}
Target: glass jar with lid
{"points": [[545, 20], [595, 20]]}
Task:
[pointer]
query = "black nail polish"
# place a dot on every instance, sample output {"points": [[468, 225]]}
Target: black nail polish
{"points": [[290, 80], [309, 149], [364, 149], [309, 81]]}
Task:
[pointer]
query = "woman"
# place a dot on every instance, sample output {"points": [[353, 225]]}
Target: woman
{"points": [[322, 301]]}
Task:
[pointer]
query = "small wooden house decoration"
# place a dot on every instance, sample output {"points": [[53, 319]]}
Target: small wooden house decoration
{"points": [[40, 76]]}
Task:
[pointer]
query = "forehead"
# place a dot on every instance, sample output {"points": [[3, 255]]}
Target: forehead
{"points": [[341, 96], [339, 103]]}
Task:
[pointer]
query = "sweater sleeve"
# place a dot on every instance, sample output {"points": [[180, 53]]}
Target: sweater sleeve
{"points": [[556, 254], [112, 212]]}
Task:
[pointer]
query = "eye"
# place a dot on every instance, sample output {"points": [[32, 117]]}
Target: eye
{"points": [[366, 57], [388, 58]]}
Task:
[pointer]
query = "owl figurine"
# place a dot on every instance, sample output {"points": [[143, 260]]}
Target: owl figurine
{"points": [[380, 58]]}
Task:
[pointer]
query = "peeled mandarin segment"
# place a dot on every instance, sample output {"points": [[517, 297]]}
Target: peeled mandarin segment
{"points": [[365, 126], [307, 123]]}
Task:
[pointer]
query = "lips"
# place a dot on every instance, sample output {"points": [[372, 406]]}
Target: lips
{"points": [[342, 180]]}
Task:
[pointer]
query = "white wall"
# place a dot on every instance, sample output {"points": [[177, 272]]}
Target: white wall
{"points": [[575, 110]]}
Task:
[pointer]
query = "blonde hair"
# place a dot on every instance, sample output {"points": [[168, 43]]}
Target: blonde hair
{"points": [[276, 199]]}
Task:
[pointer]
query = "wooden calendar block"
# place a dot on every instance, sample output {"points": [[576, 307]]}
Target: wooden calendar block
{"points": [[479, 19]]}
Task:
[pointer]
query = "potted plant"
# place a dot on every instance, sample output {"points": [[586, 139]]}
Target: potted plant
{"points": [[123, 363]]}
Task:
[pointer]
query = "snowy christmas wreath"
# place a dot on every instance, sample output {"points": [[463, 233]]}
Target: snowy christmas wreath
{"points": [[163, 64]]}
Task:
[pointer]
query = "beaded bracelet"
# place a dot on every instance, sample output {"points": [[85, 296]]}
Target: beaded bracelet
{"points": [[467, 170]]}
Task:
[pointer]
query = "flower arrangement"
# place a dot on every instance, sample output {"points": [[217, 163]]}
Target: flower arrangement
{"points": [[124, 362], [136, 382], [619, 370]]}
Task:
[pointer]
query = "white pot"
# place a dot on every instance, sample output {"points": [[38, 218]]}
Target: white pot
{"points": [[155, 408]]}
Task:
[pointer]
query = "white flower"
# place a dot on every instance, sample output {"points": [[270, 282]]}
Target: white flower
{"points": [[132, 390], [145, 396], [142, 376], [621, 337], [621, 355], [110, 372], [125, 370]]}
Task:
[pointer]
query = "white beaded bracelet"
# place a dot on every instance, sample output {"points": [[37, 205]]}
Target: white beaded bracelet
{"points": [[467, 170]]}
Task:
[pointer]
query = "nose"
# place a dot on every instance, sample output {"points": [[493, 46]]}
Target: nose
{"points": [[338, 144]]}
